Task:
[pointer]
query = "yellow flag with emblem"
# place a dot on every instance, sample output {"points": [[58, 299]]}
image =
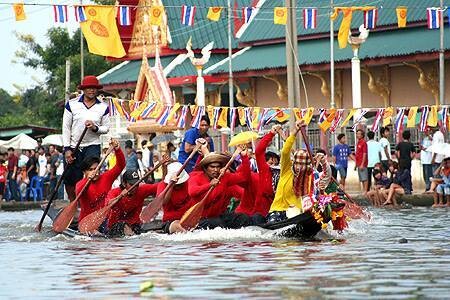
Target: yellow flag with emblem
{"points": [[282, 115], [326, 124], [173, 111], [402, 13], [349, 116], [156, 15], [280, 15], [19, 11], [433, 116], [387, 116], [223, 118], [101, 33], [138, 111], [255, 117], [241, 113], [411, 123], [214, 13], [308, 115], [210, 112]]}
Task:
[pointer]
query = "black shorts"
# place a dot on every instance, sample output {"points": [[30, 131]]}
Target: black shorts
{"points": [[2, 189], [74, 173]]}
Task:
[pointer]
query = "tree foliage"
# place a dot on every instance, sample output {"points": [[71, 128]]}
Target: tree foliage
{"points": [[42, 104]]}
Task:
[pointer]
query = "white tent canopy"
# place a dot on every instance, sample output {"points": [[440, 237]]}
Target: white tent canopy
{"points": [[21, 141], [53, 139]]}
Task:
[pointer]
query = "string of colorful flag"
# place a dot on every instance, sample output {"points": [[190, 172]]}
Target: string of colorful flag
{"points": [[188, 14], [255, 118]]}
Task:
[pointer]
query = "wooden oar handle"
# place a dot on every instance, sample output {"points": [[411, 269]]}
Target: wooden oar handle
{"points": [[58, 184]]}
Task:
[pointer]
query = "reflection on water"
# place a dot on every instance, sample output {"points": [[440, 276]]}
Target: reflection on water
{"points": [[366, 262]]}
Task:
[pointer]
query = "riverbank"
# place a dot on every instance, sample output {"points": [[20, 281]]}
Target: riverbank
{"points": [[414, 200]]}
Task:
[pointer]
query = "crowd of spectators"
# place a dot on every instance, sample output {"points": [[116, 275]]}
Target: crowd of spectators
{"points": [[22, 171]]}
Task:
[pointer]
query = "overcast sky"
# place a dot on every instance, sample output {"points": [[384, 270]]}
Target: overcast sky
{"points": [[39, 20]]}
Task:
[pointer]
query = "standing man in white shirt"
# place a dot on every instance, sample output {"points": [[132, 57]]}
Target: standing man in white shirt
{"points": [[438, 140], [386, 148], [42, 162], [425, 158], [374, 151], [84, 111]]}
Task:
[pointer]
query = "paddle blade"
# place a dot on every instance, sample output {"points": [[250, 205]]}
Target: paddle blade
{"points": [[151, 209], [65, 217], [191, 218], [92, 222]]}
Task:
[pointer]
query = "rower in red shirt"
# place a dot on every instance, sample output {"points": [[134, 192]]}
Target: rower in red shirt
{"points": [[177, 200], [93, 198], [124, 218]]}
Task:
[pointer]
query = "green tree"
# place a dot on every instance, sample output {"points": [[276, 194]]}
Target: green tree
{"points": [[44, 101]]}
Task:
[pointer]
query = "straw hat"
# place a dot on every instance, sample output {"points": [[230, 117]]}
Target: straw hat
{"points": [[214, 157], [172, 170]]}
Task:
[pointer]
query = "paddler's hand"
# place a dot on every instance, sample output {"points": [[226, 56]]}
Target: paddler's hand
{"points": [[69, 156], [174, 179], [114, 143], [91, 125], [200, 141], [214, 182], [299, 124], [175, 226], [165, 160], [276, 129]]}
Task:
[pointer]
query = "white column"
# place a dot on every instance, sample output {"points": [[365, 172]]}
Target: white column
{"points": [[200, 87]]}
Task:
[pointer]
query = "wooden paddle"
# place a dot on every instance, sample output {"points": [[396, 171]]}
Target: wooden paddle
{"points": [[38, 227], [153, 207], [354, 210], [191, 217], [92, 222], [65, 217]]}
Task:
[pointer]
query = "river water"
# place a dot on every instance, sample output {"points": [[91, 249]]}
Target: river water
{"points": [[366, 262]]}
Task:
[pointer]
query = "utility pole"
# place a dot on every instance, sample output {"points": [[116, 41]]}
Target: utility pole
{"points": [[293, 76], [332, 102], [67, 91], [81, 51], [441, 57], [230, 67]]}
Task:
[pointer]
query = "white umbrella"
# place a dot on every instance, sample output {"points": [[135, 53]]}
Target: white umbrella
{"points": [[441, 148], [21, 141], [53, 139]]}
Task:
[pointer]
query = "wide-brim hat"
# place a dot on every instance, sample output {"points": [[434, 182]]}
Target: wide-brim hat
{"points": [[172, 170], [214, 157], [90, 81]]}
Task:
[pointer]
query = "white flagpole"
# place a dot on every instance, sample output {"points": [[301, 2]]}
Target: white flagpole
{"points": [[230, 64], [441, 57]]}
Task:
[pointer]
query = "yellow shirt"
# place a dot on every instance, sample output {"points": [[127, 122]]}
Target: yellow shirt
{"points": [[284, 196]]}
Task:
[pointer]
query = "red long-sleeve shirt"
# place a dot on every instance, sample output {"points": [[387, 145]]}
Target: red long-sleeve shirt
{"points": [[264, 192], [93, 198], [128, 209], [218, 200], [178, 203]]}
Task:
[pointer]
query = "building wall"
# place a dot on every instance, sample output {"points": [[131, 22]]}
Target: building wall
{"points": [[405, 90]]}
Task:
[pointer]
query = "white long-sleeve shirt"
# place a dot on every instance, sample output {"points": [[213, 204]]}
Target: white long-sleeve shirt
{"points": [[76, 113]]}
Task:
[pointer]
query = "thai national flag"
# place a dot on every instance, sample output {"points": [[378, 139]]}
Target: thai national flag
{"points": [[444, 117], [424, 118], [358, 118], [233, 115], [434, 17], [248, 117], [80, 15], [377, 121], [216, 113], [310, 18], [370, 18], [198, 117], [187, 15], [247, 13], [399, 119], [124, 16], [181, 122], [146, 112], [164, 116], [60, 13]]}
